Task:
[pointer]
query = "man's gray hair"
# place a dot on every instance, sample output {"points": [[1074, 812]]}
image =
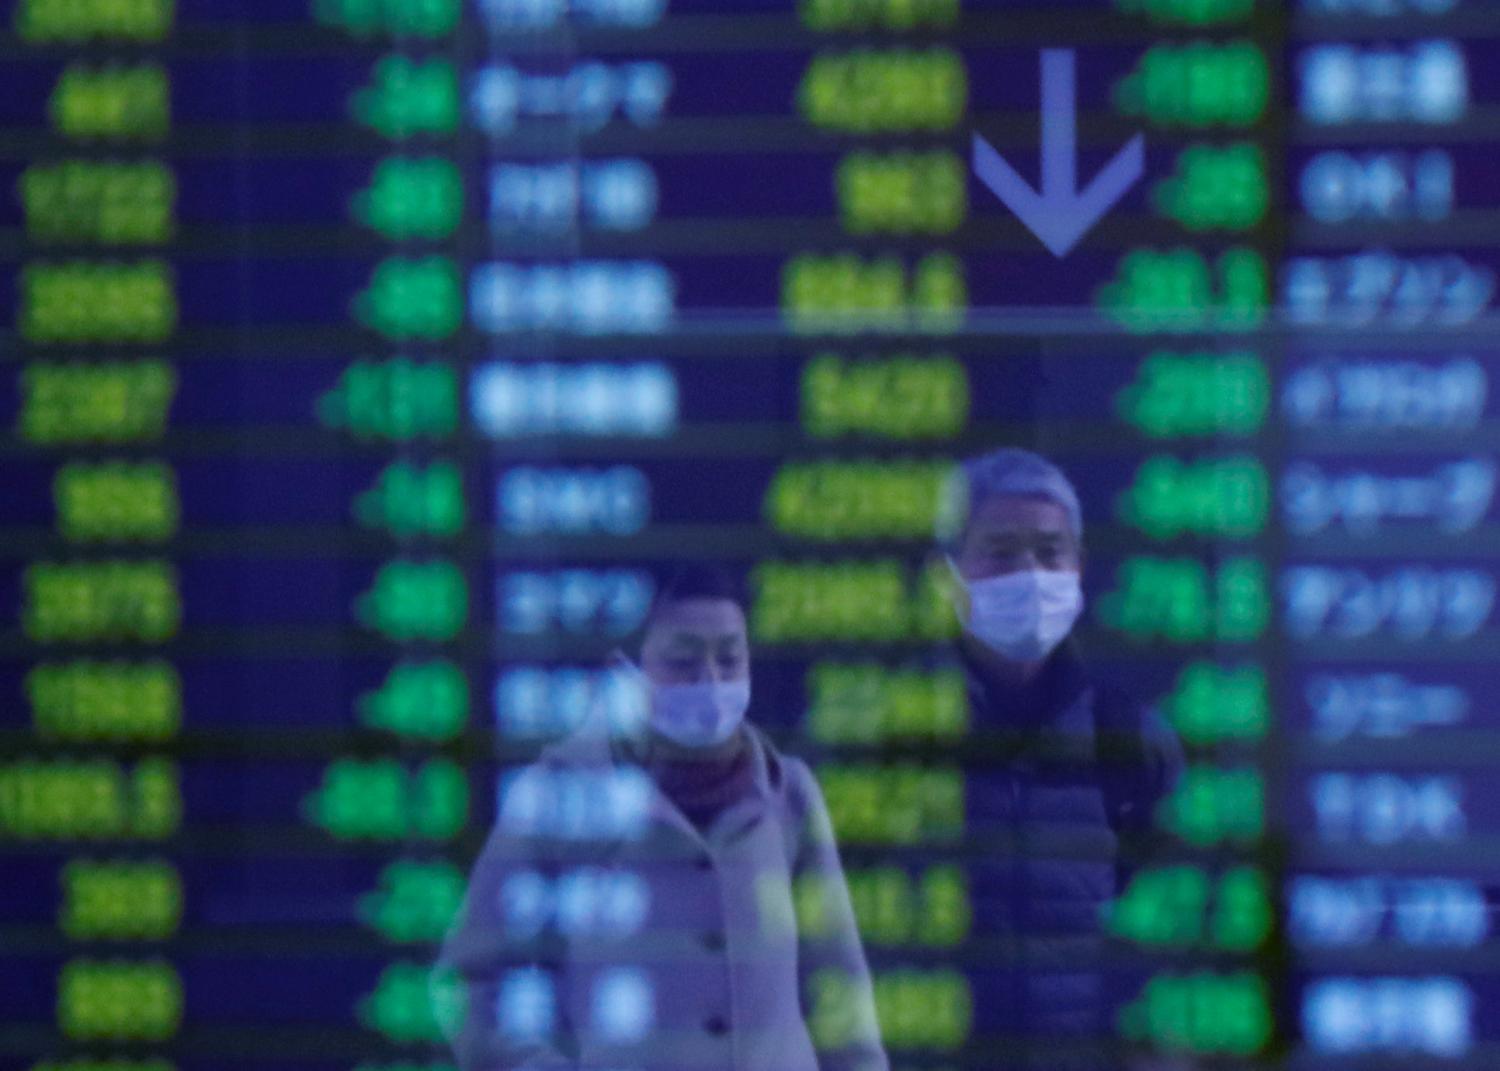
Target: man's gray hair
{"points": [[1007, 473]]}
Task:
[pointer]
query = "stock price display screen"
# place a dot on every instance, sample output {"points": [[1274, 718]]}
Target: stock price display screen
{"points": [[369, 364]]}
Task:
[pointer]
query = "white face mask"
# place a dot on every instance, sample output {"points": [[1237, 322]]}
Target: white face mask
{"points": [[701, 714], [1024, 615]]}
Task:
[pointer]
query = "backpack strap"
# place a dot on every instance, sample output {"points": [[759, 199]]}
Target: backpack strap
{"points": [[1120, 746]]}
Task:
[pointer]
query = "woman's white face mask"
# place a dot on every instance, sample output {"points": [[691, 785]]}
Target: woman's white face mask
{"points": [[1024, 615], [701, 714]]}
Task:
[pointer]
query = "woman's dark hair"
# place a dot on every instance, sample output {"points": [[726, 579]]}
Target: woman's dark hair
{"points": [[679, 583]]}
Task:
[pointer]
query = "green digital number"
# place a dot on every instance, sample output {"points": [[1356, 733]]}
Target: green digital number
{"points": [[930, 909], [857, 601], [113, 402], [84, 301], [868, 704], [63, 800], [380, 800], [412, 298], [900, 397], [1216, 188], [1226, 498], [83, 602], [398, 399], [1212, 806], [1179, 601], [902, 192], [419, 700], [409, 97], [116, 502], [119, 1001], [1197, 394], [895, 16], [1179, 289], [415, 600], [105, 1065], [410, 1004], [416, 901], [411, 500], [140, 901], [76, 21], [94, 799], [419, 198], [105, 700], [1183, 906], [841, 501], [898, 804], [1196, 85], [108, 203], [848, 292], [869, 91], [1190, 12], [112, 103], [1210, 704], [916, 1009], [427, 19], [929, 1010], [1203, 1013]]}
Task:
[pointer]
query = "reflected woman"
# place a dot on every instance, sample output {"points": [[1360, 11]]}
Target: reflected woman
{"points": [[634, 905]]}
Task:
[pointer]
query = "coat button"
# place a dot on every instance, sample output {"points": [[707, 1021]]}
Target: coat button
{"points": [[713, 941], [716, 1026]]}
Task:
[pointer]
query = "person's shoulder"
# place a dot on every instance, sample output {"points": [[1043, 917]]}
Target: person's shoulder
{"points": [[527, 792], [781, 766], [787, 775], [1138, 729], [1114, 704], [943, 657], [1118, 706]]}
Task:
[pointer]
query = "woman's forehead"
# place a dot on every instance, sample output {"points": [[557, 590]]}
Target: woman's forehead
{"points": [[701, 619]]}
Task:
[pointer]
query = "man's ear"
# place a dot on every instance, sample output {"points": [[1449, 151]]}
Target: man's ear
{"points": [[942, 572]]}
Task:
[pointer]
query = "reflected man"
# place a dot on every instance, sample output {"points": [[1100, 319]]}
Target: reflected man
{"points": [[1072, 768]]}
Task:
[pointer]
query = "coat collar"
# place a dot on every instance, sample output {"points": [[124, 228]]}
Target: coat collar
{"points": [[1049, 721], [594, 746], [736, 818]]}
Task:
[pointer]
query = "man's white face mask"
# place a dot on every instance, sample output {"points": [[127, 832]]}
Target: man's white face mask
{"points": [[1024, 615]]}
